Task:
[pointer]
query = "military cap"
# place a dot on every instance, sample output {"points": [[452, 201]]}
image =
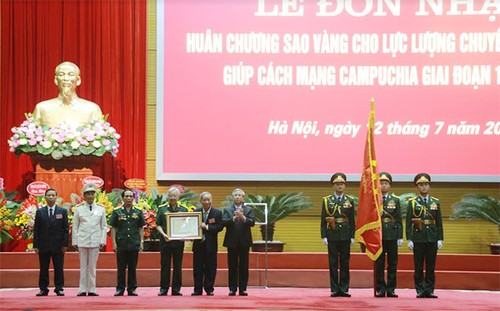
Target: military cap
{"points": [[89, 187], [421, 178], [385, 176], [338, 178]]}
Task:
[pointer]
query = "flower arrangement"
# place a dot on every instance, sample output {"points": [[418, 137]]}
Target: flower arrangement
{"points": [[25, 218], [8, 209], [95, 138]]}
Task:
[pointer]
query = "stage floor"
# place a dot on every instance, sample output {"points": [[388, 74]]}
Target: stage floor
{"points": [[259, 299]]}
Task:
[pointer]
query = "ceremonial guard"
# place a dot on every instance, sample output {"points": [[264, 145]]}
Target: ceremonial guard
{"points": [[127, 233], [424, 232], [392, 237], [337, 232]]}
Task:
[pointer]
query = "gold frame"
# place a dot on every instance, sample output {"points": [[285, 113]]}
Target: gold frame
{"points": [[177, 229]]}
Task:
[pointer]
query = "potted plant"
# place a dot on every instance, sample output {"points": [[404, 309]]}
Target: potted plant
{"points": [[479, 206], [278, 207]]}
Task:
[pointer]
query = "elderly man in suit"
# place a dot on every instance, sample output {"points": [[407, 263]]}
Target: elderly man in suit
{"points": [[205, 250], [238, 220], [50, 240], [89, 233]]}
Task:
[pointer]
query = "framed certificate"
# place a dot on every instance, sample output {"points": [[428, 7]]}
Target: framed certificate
{"points": [[184, 226]]}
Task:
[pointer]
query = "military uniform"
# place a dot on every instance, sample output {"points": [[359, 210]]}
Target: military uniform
{"points": [[337, 226], [168, 250], [424, 227], [392, 231], [127, 225]]}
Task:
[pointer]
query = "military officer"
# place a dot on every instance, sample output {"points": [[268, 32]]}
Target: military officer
{"points": [[127, 233], [89, 234], [170, 249], [337, 232], [424, 232], [392, 237]]}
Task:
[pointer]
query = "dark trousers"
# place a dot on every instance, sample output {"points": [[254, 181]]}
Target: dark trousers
{"points": [[126, 259], [204, 269], [167, 253], [339, 250], [389, 248], [424, 252], [58, 263], [237, 262]]}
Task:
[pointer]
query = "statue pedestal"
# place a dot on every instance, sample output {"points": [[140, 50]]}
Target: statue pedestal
{"points": [[66, 175]]}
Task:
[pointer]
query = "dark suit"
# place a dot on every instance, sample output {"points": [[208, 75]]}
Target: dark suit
{"points": [[50, 235], [205, 252], [173, 249], [238, 240], [424, 240], [339, 239], [392, 230]]}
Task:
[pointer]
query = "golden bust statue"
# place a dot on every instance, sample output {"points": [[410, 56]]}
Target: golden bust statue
{"points": [[67, 107]]}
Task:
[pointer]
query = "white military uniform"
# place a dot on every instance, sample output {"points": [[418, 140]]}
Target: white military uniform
{"points": [[89, 233]]}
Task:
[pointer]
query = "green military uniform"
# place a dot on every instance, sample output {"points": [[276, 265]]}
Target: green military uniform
{"points": [[341, 211], [392, 231], [127, 225], [168, 250], [424, 227]]}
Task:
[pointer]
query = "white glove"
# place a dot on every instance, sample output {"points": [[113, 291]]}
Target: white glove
{"points": [[410, 244], [352, 241], [440, 244], [325, 241], [400, 242]]}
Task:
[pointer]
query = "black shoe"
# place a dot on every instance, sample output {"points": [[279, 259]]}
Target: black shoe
{"points": [[210, 293], [43, 293], [392, 295], [59, 292], [334, 294], [93, 294], [176, 294], [232, 293], [243, 293], [431, 295], [196, 294], [420, 295], [82, 294], [119, 292], [163, 292], [381, 294], [132, 293], [344, 294]]}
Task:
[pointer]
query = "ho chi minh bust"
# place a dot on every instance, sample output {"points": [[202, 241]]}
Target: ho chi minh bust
{"points": [[67, 107]]}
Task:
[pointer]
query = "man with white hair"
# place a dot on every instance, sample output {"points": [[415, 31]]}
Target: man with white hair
{"points": [[89, 233], [170, 248]]}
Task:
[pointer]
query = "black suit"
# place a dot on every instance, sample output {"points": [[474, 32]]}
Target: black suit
{"points": [[238, 240], [50, 235], [205, 252]]}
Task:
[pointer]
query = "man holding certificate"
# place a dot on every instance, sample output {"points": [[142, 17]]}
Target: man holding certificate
{"points": [[238, 219], [170, 248]]}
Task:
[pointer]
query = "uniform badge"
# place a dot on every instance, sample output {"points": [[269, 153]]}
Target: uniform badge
{"points": [[434, 206], [134, 215], [347, 204]]}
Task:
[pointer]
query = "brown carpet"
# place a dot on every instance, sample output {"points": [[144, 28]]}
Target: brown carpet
{"points": [[258, 299]]}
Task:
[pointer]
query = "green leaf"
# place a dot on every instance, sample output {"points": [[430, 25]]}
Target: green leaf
{"points": [[57, 155]]}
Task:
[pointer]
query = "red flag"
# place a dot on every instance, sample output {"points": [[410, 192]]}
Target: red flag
{"points": [[368, 224]]}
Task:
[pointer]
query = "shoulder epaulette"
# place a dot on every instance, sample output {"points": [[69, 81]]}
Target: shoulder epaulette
{"points": [[434, 198], [116, 208], [349, 196], [83, 203], [412, 199], [393, 195], [164, 204], [326, 197]]}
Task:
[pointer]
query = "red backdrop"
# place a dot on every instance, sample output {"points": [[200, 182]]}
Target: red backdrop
{"points": [[107, 40]]}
